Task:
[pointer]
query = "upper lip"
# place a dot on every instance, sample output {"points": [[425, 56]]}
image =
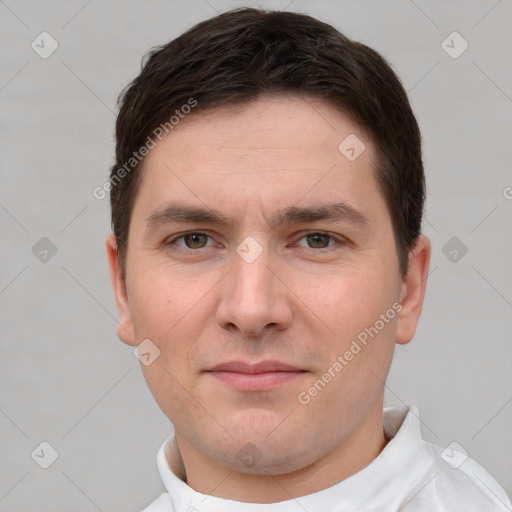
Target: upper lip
{"points": [[261, 367]]}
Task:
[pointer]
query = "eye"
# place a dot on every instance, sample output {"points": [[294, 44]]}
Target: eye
{"points": [[319, 240], [192, 240]]}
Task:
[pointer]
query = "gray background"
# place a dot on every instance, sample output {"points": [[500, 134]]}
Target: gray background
{"points": [[67, 379]]}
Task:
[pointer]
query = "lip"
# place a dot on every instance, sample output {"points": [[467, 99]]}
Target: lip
{"points": [[261, 367], [262, 376]]}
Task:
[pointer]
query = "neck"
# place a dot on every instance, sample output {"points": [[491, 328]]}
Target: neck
{"points": [[208, 476]]}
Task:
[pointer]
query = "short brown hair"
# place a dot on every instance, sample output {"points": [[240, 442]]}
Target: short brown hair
{"points": [[245, 54]]}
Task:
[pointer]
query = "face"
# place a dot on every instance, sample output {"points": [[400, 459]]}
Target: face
{"points": [[262, 263]]}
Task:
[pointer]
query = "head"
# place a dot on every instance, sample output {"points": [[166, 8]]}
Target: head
{"points": [[272, 212]]}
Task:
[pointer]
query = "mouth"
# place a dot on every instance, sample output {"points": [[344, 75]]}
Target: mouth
{"points": [[262, 376]]}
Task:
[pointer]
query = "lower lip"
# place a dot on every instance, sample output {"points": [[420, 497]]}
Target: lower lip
{"points": [[256, 381]]}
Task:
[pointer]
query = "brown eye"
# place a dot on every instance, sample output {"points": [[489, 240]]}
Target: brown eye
{"points": [[195, 240], [318, 240]]}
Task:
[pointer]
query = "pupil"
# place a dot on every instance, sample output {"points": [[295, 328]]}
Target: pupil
{"points": [[316, 240], [195, 240]]}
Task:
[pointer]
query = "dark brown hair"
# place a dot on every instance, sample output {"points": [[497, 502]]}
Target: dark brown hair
{"points": [[245, 54]]}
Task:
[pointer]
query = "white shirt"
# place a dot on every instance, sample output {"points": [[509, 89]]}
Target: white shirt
{"points": [[409, 475]]}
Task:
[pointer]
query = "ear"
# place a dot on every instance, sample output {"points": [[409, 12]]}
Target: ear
{"points": [[413, 290], [125, 330]]}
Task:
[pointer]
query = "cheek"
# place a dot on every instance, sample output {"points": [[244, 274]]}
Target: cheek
{"points": [[170, 389], [170, 319], [160, 300], [349, 302], [358, 349], [358, 311], [162, 314]]}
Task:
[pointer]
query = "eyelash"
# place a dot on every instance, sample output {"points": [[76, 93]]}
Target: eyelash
{"points": [[338, 240]]}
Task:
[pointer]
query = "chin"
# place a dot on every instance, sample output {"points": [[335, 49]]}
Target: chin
{"points": [[269, 452], [276, 467]]}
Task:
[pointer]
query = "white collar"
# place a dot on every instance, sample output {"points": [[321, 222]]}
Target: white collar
{"points": [[400, 460]]}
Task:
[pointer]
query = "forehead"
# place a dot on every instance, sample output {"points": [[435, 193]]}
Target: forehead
{"points": [[282, 122], [276, 151]]}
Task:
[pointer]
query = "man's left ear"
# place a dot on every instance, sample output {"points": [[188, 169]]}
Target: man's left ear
{"points": [[413, 290]]}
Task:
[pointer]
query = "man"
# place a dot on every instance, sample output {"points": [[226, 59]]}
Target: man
{"points": [[266, 201]]}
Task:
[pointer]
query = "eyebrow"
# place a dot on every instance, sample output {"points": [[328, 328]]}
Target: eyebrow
{"points": [[182, 213]]}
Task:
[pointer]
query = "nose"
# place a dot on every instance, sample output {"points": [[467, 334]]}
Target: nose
{"points": [[254, 298]]}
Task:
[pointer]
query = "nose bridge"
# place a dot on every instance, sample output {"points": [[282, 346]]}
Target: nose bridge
{"points": [[252, 279], [253, 297]]}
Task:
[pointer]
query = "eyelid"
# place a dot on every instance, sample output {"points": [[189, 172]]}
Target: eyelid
{"points": [[172, 239], [339, 239]]}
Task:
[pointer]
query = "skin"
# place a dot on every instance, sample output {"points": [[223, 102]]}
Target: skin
{"points": [[302, 301]]}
